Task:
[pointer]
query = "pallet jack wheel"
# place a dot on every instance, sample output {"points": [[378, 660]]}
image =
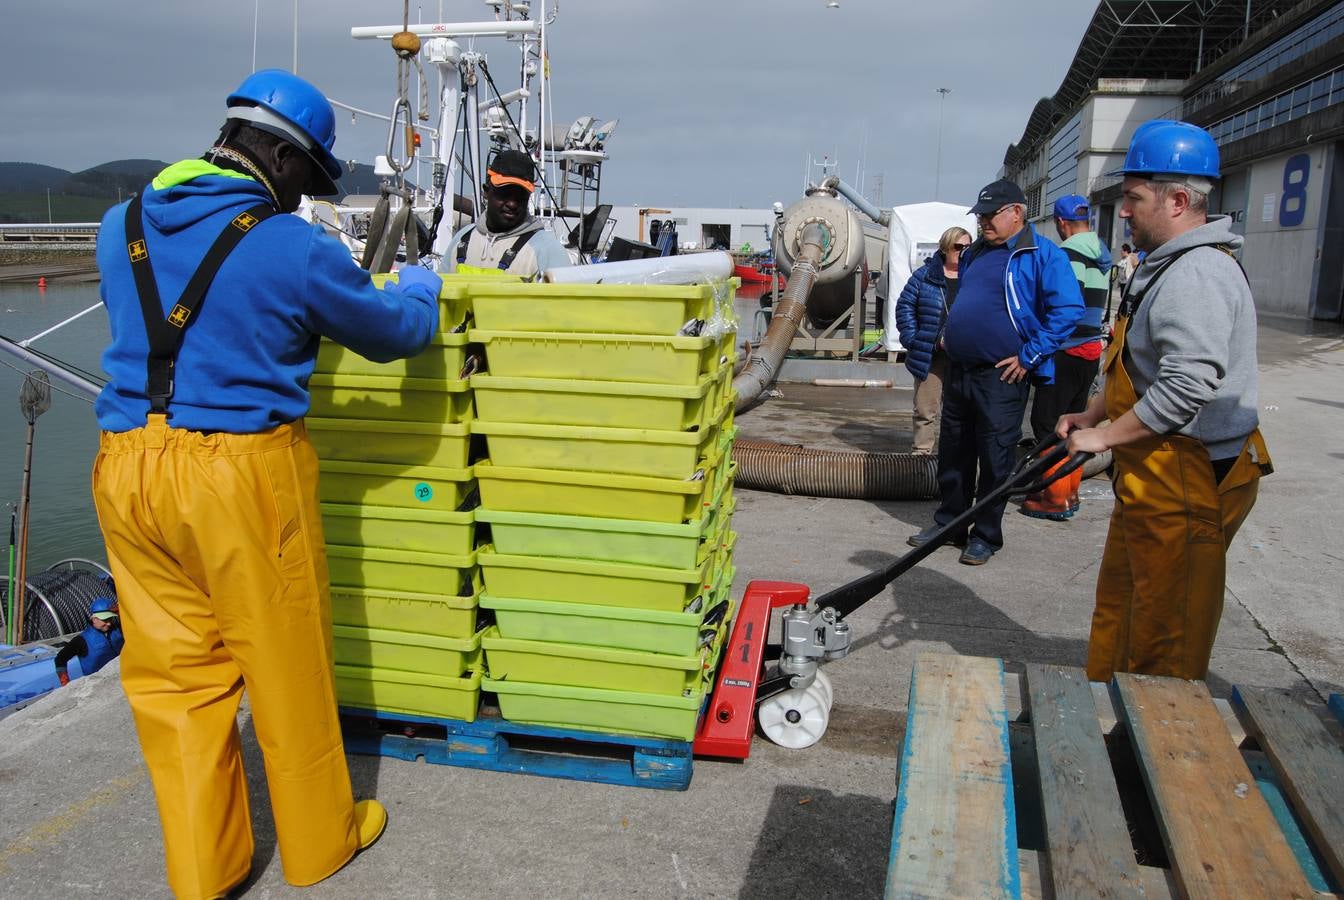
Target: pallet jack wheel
{"points": [[822, 682], [795, 719]]}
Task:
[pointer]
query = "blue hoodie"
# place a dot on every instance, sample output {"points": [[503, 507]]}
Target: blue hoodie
{"points": [[244, 364]]}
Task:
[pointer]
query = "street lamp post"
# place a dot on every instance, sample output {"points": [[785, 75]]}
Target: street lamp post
{"points": [[938, 164], [48, 206]]}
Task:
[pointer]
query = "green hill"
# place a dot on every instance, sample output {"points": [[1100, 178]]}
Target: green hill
{"points": [[22, 177], [85, 196]]}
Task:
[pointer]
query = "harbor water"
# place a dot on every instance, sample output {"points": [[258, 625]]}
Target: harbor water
{"points": [[61, 519]]}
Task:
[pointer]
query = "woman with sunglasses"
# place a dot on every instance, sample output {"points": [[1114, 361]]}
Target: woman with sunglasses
{"points": [[921, 313]]}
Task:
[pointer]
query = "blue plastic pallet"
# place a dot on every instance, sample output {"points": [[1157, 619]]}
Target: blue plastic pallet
{"points": [[503, 746]]}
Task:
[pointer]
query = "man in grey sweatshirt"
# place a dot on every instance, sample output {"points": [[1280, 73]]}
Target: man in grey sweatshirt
{"points": [[1178, 413]]}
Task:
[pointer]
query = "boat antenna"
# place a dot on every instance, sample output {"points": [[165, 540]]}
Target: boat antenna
{"points": [[514, 125]]}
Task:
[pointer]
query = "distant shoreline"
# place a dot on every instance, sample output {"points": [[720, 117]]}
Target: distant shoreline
{"points": [[27, 265]]}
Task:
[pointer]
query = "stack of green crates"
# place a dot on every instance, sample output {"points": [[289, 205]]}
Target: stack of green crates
{"points": [[393, 444], [608, 492]]}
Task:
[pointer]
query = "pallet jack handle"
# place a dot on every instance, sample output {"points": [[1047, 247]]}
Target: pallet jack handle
{"points": [[1023, 479]]}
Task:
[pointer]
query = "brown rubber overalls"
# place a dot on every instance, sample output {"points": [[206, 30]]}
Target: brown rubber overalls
{"points": [[1160, 589]]}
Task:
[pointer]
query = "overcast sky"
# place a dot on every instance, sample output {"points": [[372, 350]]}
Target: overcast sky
{"points": [[720, 101]]}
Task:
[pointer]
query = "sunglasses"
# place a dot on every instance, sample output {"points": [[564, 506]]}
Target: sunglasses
{"points": [[995, 212], [960, 247]]}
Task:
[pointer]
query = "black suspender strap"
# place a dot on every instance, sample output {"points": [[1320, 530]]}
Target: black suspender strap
{"points": [[1130, 300], [510, 254], [504, 261], [166, 333]]}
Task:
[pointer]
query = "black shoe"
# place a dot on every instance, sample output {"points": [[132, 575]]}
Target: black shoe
{"points": [[919, 540], [977, 553]]}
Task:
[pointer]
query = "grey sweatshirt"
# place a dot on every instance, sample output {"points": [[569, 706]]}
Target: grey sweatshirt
{"points": [[1191, 344]]}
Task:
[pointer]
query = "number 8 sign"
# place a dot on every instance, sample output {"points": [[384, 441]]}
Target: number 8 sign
{"points": [[1293, 203]]}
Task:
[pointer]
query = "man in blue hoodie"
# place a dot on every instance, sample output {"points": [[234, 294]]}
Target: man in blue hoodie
{"points": [[206, 483], [1017, 304]]}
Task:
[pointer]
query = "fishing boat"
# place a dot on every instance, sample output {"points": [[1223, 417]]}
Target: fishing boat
{"points": [[467, 120], [756, 268]]}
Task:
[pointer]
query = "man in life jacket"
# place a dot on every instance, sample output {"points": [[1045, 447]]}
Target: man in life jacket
{"points": [[97, 645], [508, 239], [1178, 414], [206, 483]]}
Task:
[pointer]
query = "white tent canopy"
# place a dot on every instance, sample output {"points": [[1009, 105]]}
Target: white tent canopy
{"points": [[914, 233]]}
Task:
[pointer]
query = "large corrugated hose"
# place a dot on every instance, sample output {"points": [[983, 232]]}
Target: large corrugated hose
{"points": [[763, 367], [790, 469], [849, 475]]}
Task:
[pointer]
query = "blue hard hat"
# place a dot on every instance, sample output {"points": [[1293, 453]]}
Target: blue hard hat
{"points": [[285, 105], [1072, 208], [1168, 147]]}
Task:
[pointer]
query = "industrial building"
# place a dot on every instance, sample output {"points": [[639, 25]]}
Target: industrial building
{"points": [[1265, 77]]}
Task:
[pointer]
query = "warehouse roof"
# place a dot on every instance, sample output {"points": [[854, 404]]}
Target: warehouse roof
{"points": [[1145, 39]]}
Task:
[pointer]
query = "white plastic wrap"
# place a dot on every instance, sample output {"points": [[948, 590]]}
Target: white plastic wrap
{"points": [[723, 319], [686, 268]]}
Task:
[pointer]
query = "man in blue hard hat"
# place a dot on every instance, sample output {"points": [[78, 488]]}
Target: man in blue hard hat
{"points": [[1076, 361], [1178, 414], [508, 238], [97, 645], [1017, 304], [206, 482]]}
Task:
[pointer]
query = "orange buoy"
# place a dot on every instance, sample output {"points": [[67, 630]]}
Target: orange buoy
{"points": [[41, 282]]}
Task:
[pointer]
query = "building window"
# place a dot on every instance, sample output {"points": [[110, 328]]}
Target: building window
{"points": [[1061, 174], [1299, 42], [1034, 202], [1304, 99]]}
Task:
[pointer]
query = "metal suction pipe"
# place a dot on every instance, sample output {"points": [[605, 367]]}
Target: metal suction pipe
{"points": [[799, 470], [761, 371], [834, 184]]}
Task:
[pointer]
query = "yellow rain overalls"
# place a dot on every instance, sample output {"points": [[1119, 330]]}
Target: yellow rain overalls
{"points": [[1160, 589], [215, 541], [209, 607]]}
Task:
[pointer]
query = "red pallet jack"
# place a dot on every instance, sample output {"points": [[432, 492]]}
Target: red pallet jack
{"points": [[813, 634]]}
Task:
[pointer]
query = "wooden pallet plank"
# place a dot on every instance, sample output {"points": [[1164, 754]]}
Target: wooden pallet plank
{"points": [[1309, 763], [499, 745], [1157, 883], [1220, 835], [1106, 718], [955, 833], [1090, 851]]}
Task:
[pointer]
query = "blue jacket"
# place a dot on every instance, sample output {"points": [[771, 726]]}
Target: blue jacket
{"points": [[244, 364], [103, 648], [921, 311], [1043, 298]]}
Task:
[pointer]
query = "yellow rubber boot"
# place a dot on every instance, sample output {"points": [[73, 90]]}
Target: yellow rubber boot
{"points": [[370, 822]]}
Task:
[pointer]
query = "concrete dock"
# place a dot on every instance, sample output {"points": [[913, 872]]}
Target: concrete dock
{"points": [[78, 814]]}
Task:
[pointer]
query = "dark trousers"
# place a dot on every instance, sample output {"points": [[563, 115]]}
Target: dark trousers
{"points": [[982, 422], [1073, 382]]}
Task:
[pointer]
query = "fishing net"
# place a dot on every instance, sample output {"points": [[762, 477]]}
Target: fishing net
{"points": [[58, 599], [35, 395]]}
